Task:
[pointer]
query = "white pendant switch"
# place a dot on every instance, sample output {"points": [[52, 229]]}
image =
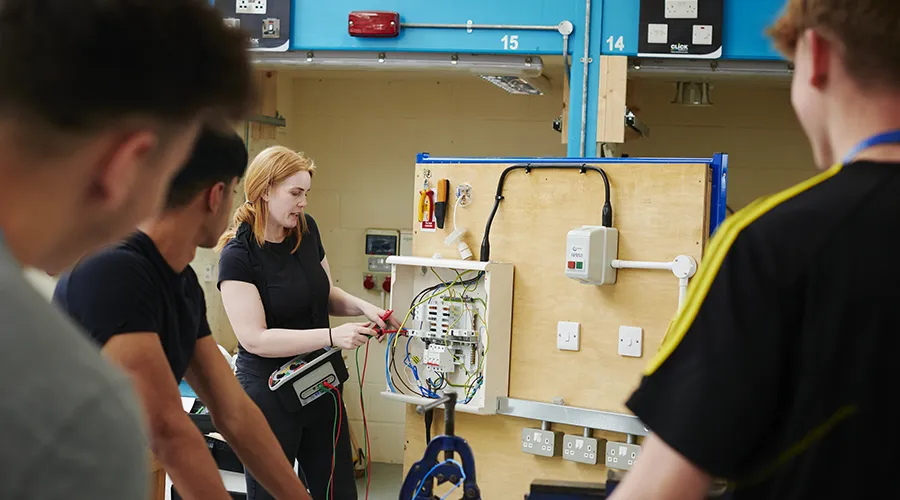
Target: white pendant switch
{"points": [[568, 334], [631, 341]]}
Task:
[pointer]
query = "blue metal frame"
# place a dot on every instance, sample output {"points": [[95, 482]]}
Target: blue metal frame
{"points": [[318, 25], [718, 165]]}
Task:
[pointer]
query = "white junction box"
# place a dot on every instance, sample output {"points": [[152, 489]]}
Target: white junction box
{"points": [[590, 251], [456, 320], [568, 335], [631, 340], [681, 9], [703, 34]]}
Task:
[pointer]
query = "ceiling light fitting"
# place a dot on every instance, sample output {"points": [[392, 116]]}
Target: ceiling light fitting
{"points": [[692, 94]]}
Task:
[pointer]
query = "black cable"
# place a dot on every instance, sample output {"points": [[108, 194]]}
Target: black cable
{"points": [[606, 216], [429, 418]]}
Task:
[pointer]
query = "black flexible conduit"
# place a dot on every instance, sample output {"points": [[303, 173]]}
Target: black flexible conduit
{"points": [[606, 216]]}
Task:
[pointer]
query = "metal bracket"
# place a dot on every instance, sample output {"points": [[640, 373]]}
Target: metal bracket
{"points": [[632, 122], [568, 415], [275, 121]]}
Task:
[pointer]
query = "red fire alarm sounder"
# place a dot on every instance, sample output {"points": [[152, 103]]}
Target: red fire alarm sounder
{"points": [[374, 24]]}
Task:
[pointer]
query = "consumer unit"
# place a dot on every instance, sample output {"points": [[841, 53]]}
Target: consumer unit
{"points": [[456, 320]]}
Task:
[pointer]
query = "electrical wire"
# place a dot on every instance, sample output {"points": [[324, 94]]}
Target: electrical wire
{"points": [[361, 378], [431, 387], [336, 433], [329, 489], [606, 216], [462, 478]]}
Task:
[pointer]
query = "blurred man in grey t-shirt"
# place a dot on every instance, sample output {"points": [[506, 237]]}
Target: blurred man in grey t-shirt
{"points": [[100, 104]]}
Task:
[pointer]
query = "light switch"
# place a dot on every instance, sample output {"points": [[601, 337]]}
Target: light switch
{"points": [[657, 33], [567, 336], [631, 340]]}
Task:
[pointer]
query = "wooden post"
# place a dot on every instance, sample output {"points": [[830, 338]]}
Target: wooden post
{"points": [[267, 83], [611, 105], [157, 480]]}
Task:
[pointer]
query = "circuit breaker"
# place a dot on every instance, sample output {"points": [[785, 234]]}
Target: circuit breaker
{"points": [[590, 251]]}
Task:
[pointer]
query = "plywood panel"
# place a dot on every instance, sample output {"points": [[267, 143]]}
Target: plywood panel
{"points": [[660, 211]]}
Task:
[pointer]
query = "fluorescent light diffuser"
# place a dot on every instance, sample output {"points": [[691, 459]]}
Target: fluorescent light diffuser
{"points": [[514, 84]]}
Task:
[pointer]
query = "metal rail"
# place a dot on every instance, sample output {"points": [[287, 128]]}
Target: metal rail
{"points": [[569, 415]]}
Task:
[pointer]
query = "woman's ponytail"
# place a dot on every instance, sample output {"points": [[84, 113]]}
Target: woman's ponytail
{"points": [[244, 213]]}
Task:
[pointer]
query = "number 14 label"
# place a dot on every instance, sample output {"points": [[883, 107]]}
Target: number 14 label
{"points": [[616, 43]]}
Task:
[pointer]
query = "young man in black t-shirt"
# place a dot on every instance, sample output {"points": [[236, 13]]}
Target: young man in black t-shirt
{"points": [[781, 365], [141, 300]]}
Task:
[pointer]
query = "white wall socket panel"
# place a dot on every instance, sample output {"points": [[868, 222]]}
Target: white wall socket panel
{"points": [[250, 7], [568, 336], [703, 34], [657, 33], [631, 341], [681, 9], [621, 456], [580, 449]]}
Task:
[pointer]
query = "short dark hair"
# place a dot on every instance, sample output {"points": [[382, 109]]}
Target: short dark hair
{"points": [[218, 156], [73, 67], [865, 30]]}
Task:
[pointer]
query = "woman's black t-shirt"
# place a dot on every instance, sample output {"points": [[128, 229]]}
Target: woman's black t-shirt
{"points": [[294, 288]]}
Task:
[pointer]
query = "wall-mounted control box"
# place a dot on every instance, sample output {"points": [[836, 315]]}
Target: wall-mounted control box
{"points": [[380, 244], [266, 22], [590, 251], [685, 29]]}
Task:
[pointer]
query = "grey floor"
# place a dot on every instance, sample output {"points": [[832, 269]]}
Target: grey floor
{"points": [[384, 484]]}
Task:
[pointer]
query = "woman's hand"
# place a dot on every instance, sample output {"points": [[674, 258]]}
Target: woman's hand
{"points": [[351, 335], [374, 315]]}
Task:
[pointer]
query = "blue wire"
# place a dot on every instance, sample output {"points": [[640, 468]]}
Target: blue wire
{"points": [[387, 372], [445, 462]]}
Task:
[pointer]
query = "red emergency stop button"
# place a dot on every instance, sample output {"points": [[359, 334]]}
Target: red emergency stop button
{"points": [[571, 264]]}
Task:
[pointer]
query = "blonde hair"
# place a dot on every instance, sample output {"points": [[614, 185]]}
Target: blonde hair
{"points": [[270, 167]]}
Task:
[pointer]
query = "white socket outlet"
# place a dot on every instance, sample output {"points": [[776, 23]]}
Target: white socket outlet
{"points": [[250, 7], [580, 449], [541, 443], [621, 456], [703, 34], [681, 9]]}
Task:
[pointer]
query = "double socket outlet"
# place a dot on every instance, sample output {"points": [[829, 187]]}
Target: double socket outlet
{"points": [[580, 449], [541, 443], [250, 7], [621, 456], [681, 9]]}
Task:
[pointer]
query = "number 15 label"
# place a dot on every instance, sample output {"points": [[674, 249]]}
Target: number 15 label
{"points": [[510, 42]]}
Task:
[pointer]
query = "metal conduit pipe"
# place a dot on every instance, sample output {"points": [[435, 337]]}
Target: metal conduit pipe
{"points": [[586, 62]]}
